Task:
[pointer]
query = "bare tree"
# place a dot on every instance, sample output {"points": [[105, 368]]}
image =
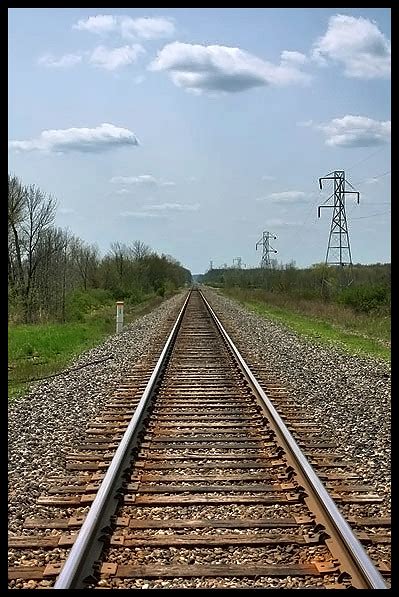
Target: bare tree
{"points": [[85, 258], [30, 213], [16, 212], [140, 250], [51, 272], [120, 253], [40, 213], [46, 264]]}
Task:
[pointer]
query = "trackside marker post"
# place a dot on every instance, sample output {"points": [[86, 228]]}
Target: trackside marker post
{"points": [[119, 316]]}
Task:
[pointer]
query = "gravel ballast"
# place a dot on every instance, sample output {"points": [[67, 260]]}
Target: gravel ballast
{"points": [[349, 396], [51, 419]]}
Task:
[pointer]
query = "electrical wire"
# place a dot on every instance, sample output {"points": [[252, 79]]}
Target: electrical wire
{"points": [[380, 213], [65, 372], [366, 158], [370, 177]]}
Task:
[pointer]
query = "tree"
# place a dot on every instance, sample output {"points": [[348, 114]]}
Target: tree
{"points": [[40, 212], [120, 254], [140, 250], [46, 265], [85, 258], [30, 213], [16, 212], [51, 273]]}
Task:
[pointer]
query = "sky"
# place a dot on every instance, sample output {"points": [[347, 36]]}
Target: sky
{"points": [[195, 130]]}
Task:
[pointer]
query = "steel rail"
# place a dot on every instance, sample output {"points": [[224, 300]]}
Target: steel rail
{"points": [[76, 567], [353, 548]]}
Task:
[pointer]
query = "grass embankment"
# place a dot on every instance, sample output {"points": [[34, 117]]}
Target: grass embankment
{"points": [[328, 323], [39, 350]]}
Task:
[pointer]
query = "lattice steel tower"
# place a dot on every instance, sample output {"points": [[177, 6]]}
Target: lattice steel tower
{"points": [[264, 241], [338, 250]]}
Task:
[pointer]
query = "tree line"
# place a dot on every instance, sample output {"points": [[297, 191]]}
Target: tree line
{"points": [[48, 265], [362, 287]]}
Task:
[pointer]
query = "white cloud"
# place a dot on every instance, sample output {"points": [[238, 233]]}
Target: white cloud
{"points": [[142, 27], [356, 43], [142, 179], [113, 58], [216, 68], [101, 56], [305, 123], [284, 197], [65, 61], [99, 24], [267, 177], [159, 211], [356, 131], [139, 214], [123, 192], [371, 180], [174, 207], [66, 211], [280, 223], [147, 27], [294, 57], [103, 137]]}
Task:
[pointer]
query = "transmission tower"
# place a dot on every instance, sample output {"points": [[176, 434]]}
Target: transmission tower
{"points": [[338, 250], [237, 262], [264, 241]]}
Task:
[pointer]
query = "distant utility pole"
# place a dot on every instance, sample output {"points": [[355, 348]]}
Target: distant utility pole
{"points": [[264, 241], [338, 250], [237, 262]]}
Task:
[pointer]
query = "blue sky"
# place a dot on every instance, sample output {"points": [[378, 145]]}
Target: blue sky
{"points": [[193, 130]]}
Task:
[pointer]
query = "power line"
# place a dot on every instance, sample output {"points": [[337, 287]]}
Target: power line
{"points": [[379, 203], [308, 214], [366, 158], [377, 176], [380, 213], [371, 203], [299, 234], [306, 219]]}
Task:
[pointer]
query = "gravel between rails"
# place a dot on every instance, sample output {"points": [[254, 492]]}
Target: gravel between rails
{"points": [[349, 396], [51, 419]]}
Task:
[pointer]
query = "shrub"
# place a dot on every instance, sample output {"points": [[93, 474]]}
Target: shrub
{"points": [[119, 294], [135, 297], [81, 302], [364, 299]]}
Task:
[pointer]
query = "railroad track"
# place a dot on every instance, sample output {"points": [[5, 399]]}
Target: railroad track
{"points": [[191, 478]]}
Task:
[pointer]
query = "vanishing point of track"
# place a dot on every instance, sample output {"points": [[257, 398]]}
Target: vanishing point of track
{"points": [[193, 467]]}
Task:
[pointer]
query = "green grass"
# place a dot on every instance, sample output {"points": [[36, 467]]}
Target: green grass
{"points": [[39, 350], [370, 340]]}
